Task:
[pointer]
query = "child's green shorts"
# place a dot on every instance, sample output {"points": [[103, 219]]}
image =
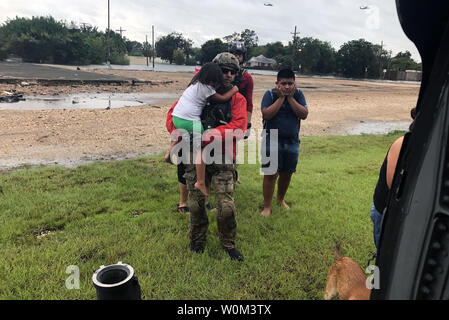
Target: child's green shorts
{"points": [[189, 125]]}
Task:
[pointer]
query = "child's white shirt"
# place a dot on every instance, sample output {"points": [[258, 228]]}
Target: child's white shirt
{"points": [[193, 100]]}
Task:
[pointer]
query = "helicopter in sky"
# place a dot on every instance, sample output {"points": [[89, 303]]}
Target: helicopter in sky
{"points": [[268, 4]]}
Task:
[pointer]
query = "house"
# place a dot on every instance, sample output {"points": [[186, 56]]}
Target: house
{"points": [[407, 75], [261, 62]]}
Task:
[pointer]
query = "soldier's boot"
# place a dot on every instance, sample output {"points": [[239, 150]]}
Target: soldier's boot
{"points": [[235, 254], [197, 247]]}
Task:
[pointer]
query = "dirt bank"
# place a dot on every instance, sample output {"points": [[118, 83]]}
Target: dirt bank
{"points": [[70, 137]]}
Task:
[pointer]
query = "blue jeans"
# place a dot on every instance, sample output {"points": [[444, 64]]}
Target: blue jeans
{"points": [[376, 218]]}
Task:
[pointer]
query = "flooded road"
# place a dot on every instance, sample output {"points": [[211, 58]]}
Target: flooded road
{"points": [[88, 101], [377, 127]]}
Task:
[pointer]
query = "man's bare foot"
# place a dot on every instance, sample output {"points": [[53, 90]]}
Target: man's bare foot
{"points": [[266, 212], [202, 187], [285, 205]]}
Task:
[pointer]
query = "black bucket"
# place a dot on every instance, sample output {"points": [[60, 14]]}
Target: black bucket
{"points": [[116, 282]]}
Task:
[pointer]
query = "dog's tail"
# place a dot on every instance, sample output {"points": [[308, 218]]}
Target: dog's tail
{"points": [[337, 251]]}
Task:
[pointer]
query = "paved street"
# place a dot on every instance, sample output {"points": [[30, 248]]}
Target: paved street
{"points": [[29, 71]]}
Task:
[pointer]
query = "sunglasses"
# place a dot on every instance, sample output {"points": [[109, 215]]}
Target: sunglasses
{"points": [[225, 71]]}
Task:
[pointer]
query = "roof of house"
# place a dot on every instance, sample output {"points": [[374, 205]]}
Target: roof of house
{"points": [[262, 59]]}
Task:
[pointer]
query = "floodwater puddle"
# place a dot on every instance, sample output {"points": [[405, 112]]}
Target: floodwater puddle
{"points": [[87, 101], [378, 127]]}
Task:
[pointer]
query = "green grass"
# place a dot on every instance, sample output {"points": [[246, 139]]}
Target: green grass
{"points": [[102, 213]]}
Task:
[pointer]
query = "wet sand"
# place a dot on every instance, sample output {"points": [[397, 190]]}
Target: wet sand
{"points": [[73, 136]]}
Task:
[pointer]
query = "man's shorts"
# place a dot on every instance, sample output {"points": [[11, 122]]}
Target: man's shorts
{"points": [[287, 151]]}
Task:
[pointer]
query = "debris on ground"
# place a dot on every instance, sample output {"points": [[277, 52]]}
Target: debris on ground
{"points": [[25, 84], [43, 234], [11, 96]]}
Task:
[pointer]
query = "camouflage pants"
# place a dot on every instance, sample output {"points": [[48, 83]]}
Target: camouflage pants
{"points": [[221, 177]]}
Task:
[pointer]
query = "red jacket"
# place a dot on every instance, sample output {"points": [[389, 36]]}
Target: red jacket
{"points": [[247, 87], [239, 121], [169, 122]]}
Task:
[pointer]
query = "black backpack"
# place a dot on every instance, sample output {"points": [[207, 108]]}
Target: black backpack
{"points": [[216, 114]]}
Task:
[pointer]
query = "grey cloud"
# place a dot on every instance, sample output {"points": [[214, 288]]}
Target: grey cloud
{"points": [[335, 21]]}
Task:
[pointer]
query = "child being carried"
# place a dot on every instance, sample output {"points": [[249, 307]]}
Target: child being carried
{"points": [[187, 112]]}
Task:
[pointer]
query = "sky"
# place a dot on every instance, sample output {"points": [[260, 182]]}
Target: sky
{"points": [[334, 21]]}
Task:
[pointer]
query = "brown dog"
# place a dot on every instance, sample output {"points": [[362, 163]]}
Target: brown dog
{"points": [[346, 279]]}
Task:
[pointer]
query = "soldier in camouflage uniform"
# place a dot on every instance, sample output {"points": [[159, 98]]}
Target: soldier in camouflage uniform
{"points": [[221, 176]]}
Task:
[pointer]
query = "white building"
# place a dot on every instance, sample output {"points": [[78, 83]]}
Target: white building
{"points": [[261, 62]]}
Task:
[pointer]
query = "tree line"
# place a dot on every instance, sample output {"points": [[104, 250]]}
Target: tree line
{"points": [[45, 40]]}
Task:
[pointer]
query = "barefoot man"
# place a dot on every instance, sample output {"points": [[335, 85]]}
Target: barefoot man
{"points": [[283, 108]]}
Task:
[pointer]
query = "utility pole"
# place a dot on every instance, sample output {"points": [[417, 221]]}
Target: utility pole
{"points": [[109, 27], [295, 49], [120, 30], [294, 34], [380, 60], [147, 51], [388, 63], [153, 45]]}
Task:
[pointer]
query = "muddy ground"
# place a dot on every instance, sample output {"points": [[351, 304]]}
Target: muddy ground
{"points": [[70, 136]]}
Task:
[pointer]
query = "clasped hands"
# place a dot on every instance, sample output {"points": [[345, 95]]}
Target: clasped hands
{"points": [[286, 92]]}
